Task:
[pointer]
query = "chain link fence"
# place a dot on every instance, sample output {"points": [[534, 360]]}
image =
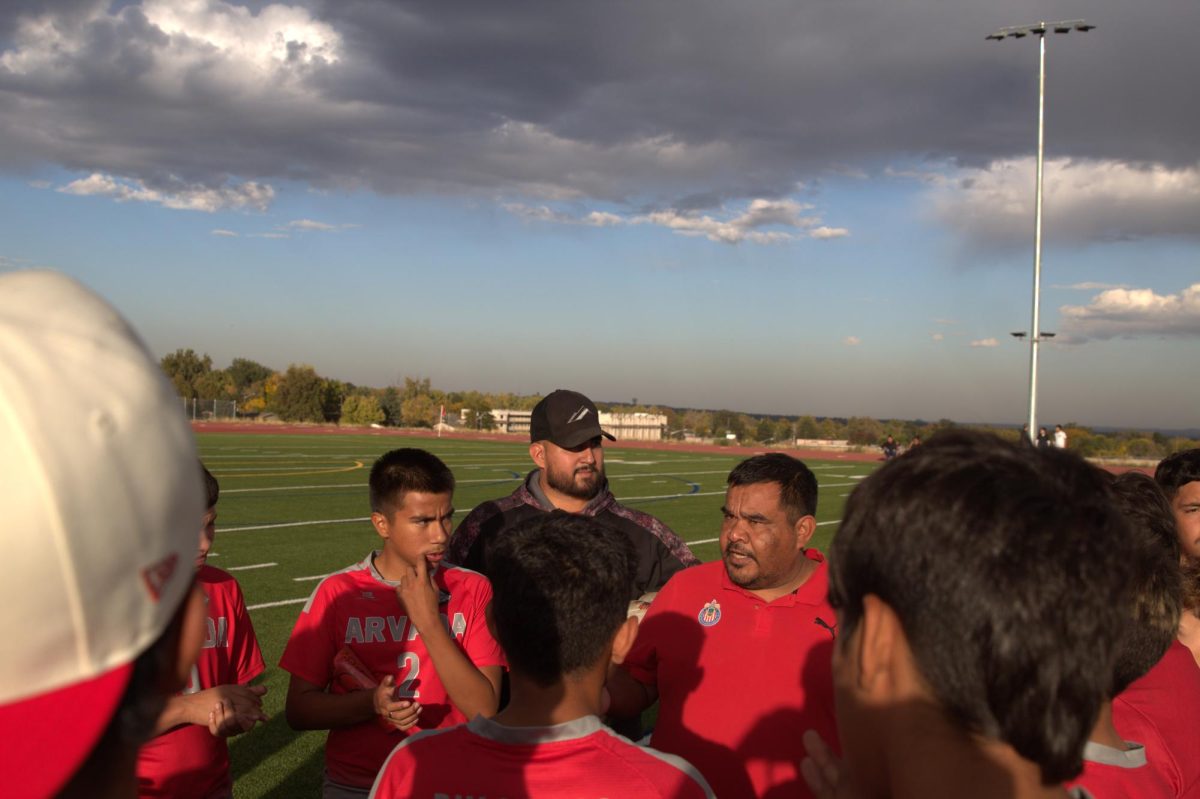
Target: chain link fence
{"points": [[202, 409]]}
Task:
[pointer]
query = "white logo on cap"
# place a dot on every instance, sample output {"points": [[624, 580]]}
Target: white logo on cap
{"points": [[579, 414]]}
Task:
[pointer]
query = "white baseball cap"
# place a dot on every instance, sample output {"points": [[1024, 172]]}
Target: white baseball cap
{"points": [[101, 497]]}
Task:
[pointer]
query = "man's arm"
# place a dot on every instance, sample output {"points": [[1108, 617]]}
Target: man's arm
{"points": [[311, 707], [626, 696], [473, 690]]}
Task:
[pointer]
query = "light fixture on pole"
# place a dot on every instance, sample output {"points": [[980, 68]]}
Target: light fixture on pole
{"points": [[1019, 32]]}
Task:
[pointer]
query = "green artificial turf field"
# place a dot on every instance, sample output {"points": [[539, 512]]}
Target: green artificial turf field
{"points": [[293, 508]]}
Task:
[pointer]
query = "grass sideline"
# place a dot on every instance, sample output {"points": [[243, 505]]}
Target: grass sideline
{"points": [[294, 508]]}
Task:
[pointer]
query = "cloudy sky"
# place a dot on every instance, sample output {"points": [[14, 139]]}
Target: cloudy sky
{"points": [[805, 208]]}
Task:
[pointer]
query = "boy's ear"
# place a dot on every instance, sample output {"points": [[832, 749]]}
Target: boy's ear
{"points": [[623, 639], [882, 646], [380, 523]]}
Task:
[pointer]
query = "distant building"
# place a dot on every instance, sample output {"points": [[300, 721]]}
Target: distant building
{"points": [[625, 426], [634, 426], [506, 421], [822, 443]]}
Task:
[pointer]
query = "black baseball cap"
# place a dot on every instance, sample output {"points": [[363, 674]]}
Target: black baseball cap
{"points": [[566, 418]]}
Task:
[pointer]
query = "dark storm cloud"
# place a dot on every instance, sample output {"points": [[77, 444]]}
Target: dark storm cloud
{"points": [[684, 103]]}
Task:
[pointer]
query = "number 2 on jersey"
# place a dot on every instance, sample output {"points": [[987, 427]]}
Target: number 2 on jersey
{"points": [[412, 663]]}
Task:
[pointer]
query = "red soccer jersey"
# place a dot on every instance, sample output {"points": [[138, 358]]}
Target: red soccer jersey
{"points": [[739, 679], [188, 760], [1120, 774], [581, 759], [359, 609], [1164, 705]]}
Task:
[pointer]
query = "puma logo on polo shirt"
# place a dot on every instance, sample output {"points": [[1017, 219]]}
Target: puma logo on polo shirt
{"points": [[822, 623]]}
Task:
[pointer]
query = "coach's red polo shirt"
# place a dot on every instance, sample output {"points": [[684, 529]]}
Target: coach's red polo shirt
{"points": [[739, 679]]}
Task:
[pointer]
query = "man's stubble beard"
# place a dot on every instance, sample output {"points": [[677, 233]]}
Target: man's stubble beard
{"points": [[567, 484]]}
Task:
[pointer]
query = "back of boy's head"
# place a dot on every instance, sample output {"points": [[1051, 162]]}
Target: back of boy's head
{"points": [[1153, 576], [212, 489], [561, 587], [1006, 566], [403, 470], [1177, 470]]}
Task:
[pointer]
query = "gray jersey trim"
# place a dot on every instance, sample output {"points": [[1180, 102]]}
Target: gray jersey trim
{"points": [[1109, 756]]}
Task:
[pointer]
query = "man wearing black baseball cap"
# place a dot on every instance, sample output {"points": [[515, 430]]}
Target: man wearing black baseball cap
{"points": [[566, 444]]}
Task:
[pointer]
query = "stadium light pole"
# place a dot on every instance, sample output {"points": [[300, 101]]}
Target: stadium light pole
{"points": [[1035, 334]]}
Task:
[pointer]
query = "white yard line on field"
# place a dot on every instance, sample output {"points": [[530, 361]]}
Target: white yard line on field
{"points": [[251, 566], [277, 604]]}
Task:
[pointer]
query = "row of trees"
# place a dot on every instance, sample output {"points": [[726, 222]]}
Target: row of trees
{"points": [[299, 394]]}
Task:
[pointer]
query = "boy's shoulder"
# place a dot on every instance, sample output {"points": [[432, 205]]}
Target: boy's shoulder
{"points": [[211, 575], [218, 583], [570, 753]]}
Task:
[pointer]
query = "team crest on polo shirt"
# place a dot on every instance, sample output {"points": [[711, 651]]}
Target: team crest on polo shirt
{"points": [[710, 614]]}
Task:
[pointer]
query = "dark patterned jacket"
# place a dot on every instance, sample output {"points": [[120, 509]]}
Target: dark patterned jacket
{"points": [[660, 552]]}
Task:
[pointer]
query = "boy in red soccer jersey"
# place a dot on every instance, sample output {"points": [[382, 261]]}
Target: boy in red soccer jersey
{"points": [[190, 757], [561, 594], [1158, 709], [982, 598], [413, 624], [1124, 759]]}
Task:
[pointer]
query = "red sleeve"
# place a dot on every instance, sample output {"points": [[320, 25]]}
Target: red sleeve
{"points": [[245, 656], [310, 649], [478, 644]]}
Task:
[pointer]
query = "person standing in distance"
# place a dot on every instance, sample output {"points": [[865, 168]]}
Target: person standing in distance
{"points": [[101, 492], [566, 445], [1060, 437]]}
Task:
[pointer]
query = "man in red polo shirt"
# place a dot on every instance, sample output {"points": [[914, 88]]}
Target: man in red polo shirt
{"points": [[738, 651]]}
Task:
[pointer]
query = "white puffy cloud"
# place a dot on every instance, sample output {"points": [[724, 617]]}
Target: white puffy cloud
{"points": [[225, 233], [1132, 313], [852, 341], [937, 336], [176, 194], [1083, 201], [1089, 285], [785, 220], [985, 342]]}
